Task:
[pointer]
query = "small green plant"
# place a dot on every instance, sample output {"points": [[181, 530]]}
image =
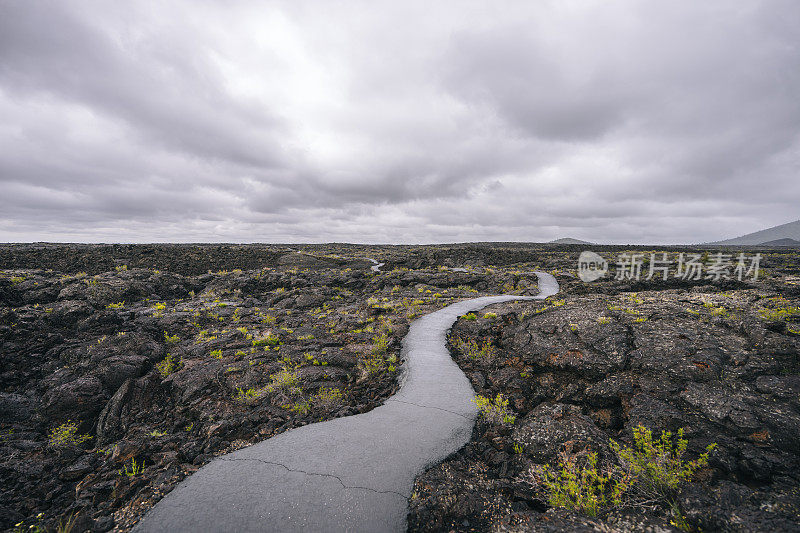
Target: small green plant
{"points": [[300, 407], [483, 352], [373, 363], [6, 434], [157, 433], [36, 526], [67, 523], [66, 435], [134, 469], [603, 320], [73, 277], [216, 354], [327, 398], [269, 340], [246, 395], [286, 379], [470, 316], [781, 313], [171, 339], [380, 343], [518, 448], [495, 411], [168, 365], [490, 316], [121, 268], [204, 336], [117, 305]]}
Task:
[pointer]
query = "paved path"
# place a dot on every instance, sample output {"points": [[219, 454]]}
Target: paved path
{"points": [[348, 474], [376, 267]]}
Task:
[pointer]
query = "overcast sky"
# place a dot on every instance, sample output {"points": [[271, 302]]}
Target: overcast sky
{"points": [[399, 122]]}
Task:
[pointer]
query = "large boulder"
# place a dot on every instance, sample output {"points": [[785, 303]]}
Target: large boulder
{"points": [[79, 399], [551, 428]]}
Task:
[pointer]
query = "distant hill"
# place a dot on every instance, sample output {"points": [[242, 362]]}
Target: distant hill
{"points": [[789, 231], [782, 242], [568, 240]]}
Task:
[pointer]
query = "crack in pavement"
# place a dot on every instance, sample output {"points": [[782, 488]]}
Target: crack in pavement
{"points": [[334, 476], [429, 407]]}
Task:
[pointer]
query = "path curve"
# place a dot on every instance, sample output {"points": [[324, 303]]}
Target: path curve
{"points": [[376, 267], [347, 474]]}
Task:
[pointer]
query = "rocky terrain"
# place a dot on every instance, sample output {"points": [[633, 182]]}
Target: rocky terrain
{"points": [[721, 360], [118, 380], [124, 368]]}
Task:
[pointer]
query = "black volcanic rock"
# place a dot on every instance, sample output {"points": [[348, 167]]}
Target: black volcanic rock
{"points": [[601, 361]]}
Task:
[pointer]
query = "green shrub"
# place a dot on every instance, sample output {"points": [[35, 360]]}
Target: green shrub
{"points": [[168, 365], [327, 398], [380, 343], [246, 395], [490, 316], [495, 411], [286, 379], [300, 407], [650, 471], [118, 305], [582, 486], [216, 354], [171, 339], [483, 352], [658, 466], [269, 340], [373, 363], [66, 435], [778, 314], [470, 316]]}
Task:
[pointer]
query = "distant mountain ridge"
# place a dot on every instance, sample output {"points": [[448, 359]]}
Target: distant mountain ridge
{"points": [[769, 237]]}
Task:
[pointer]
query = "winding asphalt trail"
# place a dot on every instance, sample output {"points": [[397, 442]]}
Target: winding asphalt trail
{"points": [[348, 474]]}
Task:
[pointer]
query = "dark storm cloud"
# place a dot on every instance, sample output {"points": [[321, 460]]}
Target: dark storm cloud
{"points": [[611, 121]]}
